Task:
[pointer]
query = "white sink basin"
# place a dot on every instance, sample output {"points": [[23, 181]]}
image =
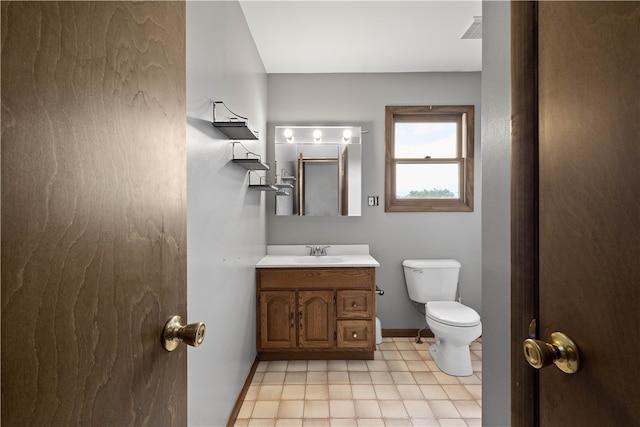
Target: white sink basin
{"points": [[317, 259], [296, 256]]}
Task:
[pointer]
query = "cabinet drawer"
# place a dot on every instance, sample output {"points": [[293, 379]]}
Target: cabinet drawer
{"points": [[354, 304], [316, 278], [355, 334]]}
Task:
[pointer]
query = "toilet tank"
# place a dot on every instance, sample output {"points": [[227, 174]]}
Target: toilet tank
{"points": [[431, 279]]}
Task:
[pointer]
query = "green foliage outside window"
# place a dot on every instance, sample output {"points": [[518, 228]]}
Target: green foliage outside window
{"points": [[436, 193]]}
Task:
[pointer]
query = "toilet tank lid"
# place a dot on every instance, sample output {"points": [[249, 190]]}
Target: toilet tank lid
{"points": [[431, 263]]}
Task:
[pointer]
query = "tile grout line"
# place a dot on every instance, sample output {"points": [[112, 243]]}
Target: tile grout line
{"points": [[455, 396]]}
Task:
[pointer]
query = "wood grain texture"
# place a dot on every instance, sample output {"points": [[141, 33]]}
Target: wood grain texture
{"points": [[317, 278], [300, 309], [524, 208], [316, 319], [589, 97], [355, 333], [354, 304], [277, 320], [93, 212]]}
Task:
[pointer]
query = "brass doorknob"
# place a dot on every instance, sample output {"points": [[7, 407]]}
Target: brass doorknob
{"points": [[562, 351], [175, 332]]}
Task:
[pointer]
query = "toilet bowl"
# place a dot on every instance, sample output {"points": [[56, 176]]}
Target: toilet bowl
{"points": [[434, 283], [454, 327]]}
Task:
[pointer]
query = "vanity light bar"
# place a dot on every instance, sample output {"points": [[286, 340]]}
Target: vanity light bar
{"points": [[318, 134]]}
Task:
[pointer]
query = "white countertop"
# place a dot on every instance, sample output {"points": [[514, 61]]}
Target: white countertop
{"points": [[293, 256]]}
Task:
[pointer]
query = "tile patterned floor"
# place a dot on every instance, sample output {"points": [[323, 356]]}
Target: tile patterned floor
{"points": [[402, 386]]}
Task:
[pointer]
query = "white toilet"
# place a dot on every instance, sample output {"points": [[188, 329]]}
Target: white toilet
{"points": [[434, 283]]}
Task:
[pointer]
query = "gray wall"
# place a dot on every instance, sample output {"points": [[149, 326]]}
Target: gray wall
{"points": [[225, 220], [224, 244], [496, 261], [359, 99]]}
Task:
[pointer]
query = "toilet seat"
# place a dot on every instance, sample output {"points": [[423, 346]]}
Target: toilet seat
{"points": [[452, 313]]}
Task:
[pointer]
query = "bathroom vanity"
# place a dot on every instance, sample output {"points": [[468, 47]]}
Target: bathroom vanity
{"points": [[316, 307]]}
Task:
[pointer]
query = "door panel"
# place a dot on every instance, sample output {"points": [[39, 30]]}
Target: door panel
{"points": [[317, 324], [589, 106], [93, 212], [575, 207], [277, 317]]}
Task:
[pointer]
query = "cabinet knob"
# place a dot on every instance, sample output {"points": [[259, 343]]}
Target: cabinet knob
{"points": [[355, 335], [354, 305]]}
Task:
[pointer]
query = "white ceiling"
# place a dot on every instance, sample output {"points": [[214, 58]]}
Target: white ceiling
{"points": [[303, 36]]}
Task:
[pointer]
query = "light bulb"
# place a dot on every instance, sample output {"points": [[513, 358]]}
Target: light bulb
{"points": [[346, 135], [288, 134], [317, 135]]}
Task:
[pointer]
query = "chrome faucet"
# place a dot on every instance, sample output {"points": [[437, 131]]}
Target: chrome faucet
{"points": [[318, 250]]}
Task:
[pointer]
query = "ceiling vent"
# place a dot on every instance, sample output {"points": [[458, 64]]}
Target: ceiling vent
{"points": [[475, 30]]}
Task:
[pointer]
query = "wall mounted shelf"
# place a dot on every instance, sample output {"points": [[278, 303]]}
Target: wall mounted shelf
{"points": [[252, 164], [284, 186], [283, 189], [236, 127], [263, 187], [249, 163], [235, 130], [263, 184]]}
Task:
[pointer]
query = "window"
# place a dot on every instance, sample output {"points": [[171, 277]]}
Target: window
{"points": [[429, 159]]}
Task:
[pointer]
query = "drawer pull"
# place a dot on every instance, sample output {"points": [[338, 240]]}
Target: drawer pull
{"points": [[354, 305], [355, 335]]}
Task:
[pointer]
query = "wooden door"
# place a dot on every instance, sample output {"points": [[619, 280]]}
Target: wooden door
{"points": [[316, 319], [277, 320], [93, 212], [582, 230]]}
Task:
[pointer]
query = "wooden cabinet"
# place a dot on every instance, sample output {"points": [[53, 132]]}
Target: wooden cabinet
{"points": [[277, 320], [316, 313]]}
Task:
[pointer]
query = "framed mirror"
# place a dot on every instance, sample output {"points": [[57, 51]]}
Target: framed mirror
{"points": [[318, 170]]}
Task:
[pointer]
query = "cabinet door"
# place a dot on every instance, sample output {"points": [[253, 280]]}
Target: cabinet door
{"points": [[316, 319], [277, 319]]}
